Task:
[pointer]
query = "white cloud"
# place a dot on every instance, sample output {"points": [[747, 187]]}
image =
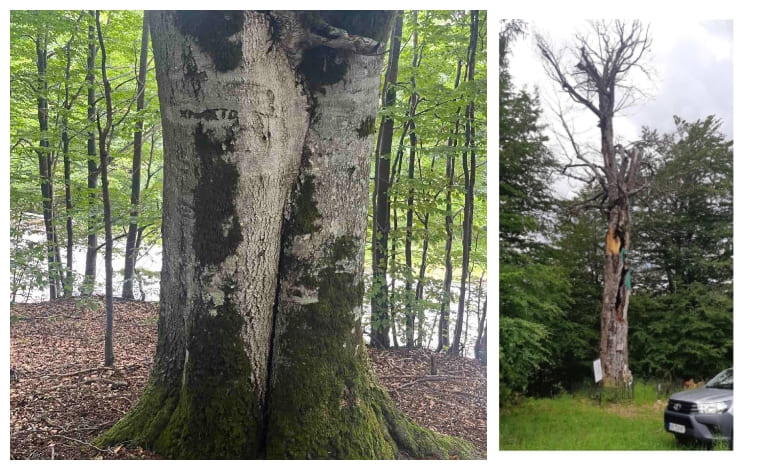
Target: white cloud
{"points": [[691, 65]]}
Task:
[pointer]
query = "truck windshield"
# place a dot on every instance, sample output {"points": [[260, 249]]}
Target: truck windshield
{"points": [[723, 380]]}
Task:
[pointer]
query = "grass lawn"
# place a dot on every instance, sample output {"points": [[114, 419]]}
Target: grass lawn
{"points": [[579, 423]]}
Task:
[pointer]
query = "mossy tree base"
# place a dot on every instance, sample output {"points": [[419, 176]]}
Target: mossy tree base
{"points": [[378, 431]]}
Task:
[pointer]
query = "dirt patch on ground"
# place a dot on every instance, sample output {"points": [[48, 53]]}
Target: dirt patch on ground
{"points": [[62, 398]]}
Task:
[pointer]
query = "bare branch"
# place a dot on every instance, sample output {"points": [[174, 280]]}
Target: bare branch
{"points": [[553, 68]]}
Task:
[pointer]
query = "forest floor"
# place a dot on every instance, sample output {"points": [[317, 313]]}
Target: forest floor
{"points": [[62, 398]]}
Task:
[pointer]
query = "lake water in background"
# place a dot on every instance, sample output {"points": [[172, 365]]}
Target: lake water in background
{"points": [[151, 262]]}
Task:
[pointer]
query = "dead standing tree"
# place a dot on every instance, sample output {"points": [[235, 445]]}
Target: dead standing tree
{"points": [[599, 81]]}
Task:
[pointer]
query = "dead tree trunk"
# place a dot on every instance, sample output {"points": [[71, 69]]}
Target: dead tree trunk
{"points": [[594, 82], [260, 351]]}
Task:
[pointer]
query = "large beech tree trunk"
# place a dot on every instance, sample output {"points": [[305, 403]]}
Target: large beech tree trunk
{"points": [[267, 123]]}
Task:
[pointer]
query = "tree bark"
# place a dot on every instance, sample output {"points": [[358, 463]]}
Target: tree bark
{"points": [[444, 312], [480, 347], [469, 172], [104, 138], [45, 160], [130, 255], [380, 320], [260, 351], [410, 310], [67, 105], [93, 173]]}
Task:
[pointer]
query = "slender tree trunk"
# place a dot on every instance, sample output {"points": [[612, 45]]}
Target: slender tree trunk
{"points": [[418, 292], [469, 172], [67, 105], [408, 297], [260, 351], [393, 273], [413, 99], [69, 209], [469, 293], [480, 347], [105, 147], [480, 291], [93, 173], [395, 178], [382, 183], [444, 312], [130, 255], [44, 160]]}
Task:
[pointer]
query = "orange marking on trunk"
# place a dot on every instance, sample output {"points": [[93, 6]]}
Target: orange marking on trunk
{"points": [[613, 243]]}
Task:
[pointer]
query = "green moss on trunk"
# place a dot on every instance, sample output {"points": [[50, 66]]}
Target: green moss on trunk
{"points": [[213, 412], [144, 423], [324, 401]]}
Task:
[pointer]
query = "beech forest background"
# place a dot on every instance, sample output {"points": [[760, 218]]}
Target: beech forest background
{"points": [[425, 272]]}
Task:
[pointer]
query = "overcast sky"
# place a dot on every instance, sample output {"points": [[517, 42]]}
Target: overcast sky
{"points": [[691, 76]]}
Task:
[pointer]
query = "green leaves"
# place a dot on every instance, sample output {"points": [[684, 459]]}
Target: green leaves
{"points": [[683, 311], [64, 37]]}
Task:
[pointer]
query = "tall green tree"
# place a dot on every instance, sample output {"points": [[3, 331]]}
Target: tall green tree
{"points": [[684, 302], [532, 292]]}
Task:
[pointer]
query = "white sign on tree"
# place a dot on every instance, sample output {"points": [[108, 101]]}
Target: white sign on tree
{"points": [[597, 373]]}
